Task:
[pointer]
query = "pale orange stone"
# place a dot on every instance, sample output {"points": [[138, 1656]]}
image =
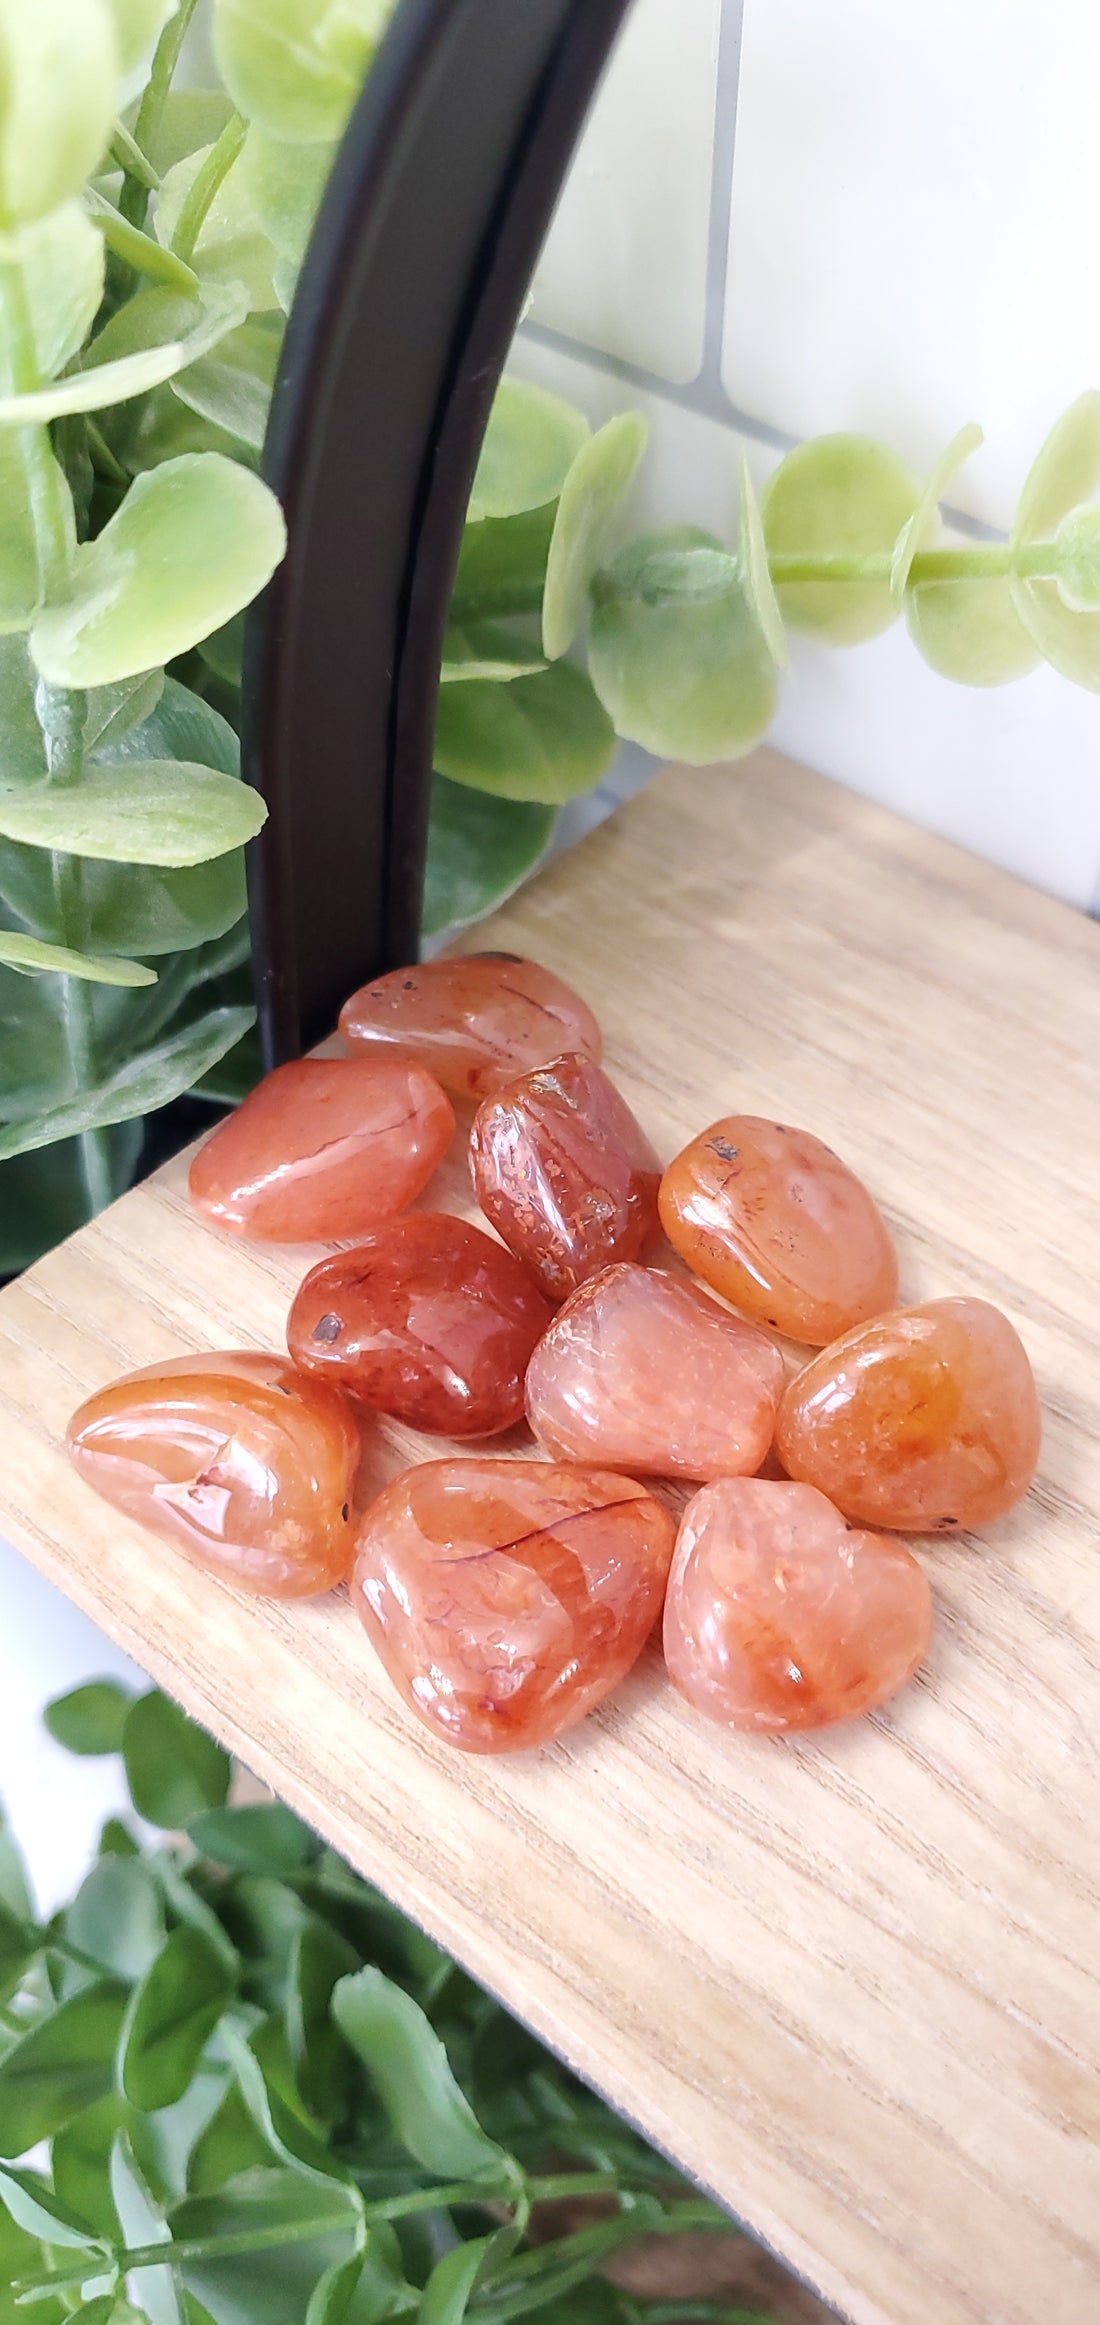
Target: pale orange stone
{"points": [[237, 1458], [781, 1616], [640, 1371], [926, 1419], [475, 1021], [322, 1150], [776, 1223], [507, 1598]]}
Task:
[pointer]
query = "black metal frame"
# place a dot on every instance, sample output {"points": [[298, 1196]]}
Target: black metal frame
{"points": [[412, 287]]}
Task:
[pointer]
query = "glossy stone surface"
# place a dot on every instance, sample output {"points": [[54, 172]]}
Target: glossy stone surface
{"points": [[430, 1321], [507, 1598], [323, 1149], [475, 1022], [565, 1174], [927, 1419], [780, 1616], [238, 1459], [781, 1227], [642, 1372]]}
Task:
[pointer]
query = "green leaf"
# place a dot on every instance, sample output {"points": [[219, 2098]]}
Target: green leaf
{"points": [[89, 1720], [131, 912], [502, 569], [192, 543], [138, 250], [30, 957], [62, 2066], [598, 481], [110, 377], [273, 2284], [138, 24], [411, 2072], [229, 2145], [529, 447], [479, 850], [117, 1916], [114, 712], [20, 1944], [1078, 545], [233, 388], [756, 580], [156, 811], [15, 1888], [191, 1909], [1069, 641], [1065, 471], [43, 1197], [544, 738], [116, 1839], [845, 496], [22, 751], [20, 581], [58, 85], [188, 118], [173, 1767], [173, 2013], [232, 246], [367, 2289], [921, 527], [285, 183], [452, 2281], [320, 1957], [491, 649], [143, 2222], [296, 66], [288, 2137], [970, 631], [180, 725], [63, 263], [675, 653], [263, 1837], [36, 2209], [80, 2162]]}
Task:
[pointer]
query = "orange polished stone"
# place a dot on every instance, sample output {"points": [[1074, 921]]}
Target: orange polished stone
{"points": [[475, 1022], [238, 1459], [642, 1372], [927, 1419], [780, 1616], [564, 1173], [430, 1321], [323, 1149], [507, 1598], [774, 1221]]}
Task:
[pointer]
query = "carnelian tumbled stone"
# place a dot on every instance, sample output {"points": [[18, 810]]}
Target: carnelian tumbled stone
{"points": [[475, 1022], [322, 1149], [927, 1419], [238, 1459], [641, 1372], [430, 1321], [507, 1598], [779, 1615], [774, 1221], [564, 1173]]}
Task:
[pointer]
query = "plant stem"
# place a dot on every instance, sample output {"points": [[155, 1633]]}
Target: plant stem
{"points": [[135, 199], [985, 561], [215, 169]]}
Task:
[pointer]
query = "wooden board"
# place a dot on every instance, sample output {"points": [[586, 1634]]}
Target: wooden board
{"points": [[850, 1982]]}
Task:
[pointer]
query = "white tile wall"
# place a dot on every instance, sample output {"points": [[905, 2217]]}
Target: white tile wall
{"points": [[904, 228]]}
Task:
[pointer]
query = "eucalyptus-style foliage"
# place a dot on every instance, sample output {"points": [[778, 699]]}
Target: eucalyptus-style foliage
{"points": [[237, 2087], [150, 242]]}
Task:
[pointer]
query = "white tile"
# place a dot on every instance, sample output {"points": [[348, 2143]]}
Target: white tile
{"points": [[625, 266], [914, 230]]}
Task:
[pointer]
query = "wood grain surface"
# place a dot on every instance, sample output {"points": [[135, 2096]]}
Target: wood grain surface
{"points": [[848, 1981]]}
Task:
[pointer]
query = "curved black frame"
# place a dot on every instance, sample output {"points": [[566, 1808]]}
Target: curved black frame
{"points": [[413, 284]]}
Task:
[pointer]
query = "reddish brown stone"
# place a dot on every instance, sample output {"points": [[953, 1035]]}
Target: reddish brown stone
{"points": [[238, 1459], [430, 1321], [322, 1150], [564, 1173], [475, 1021], [507, 1598]]}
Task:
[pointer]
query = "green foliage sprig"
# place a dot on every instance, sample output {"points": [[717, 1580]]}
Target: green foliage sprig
{"points": [[267, 2099], [149, 248]]}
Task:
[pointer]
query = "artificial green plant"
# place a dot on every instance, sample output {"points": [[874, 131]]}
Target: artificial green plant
{"points": [[150, 241]]}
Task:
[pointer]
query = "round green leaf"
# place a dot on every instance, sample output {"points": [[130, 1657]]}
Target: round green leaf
{"points": [[367, 2289], [43, 1198], [922, 526], [1078, 545], [841, 496], [63, 261], [233, 245], [502, 570], [158, 811], [292, 2230], [36, 2209], [80, 2162], [173, 1767], [89, 1720], [544, 738], [263, 1837], [138, 24], [411, 2072], [176, 724], [530, 444], [756, 578], [58, 86], [63, 2065], [229, 2144], [599, 479], [498, 651], [451, 2285], [109, 377], [15, 1890], [31, 957], [675, 652], [1069, 641], [117, 1916], [296, 66], [285, 184], [479, 850], [970, 631], [20, 579], [192, 543], [320, 1957], [172, 2015], [1065, 471], [188, 118], [233, 388], [129, 910]]}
